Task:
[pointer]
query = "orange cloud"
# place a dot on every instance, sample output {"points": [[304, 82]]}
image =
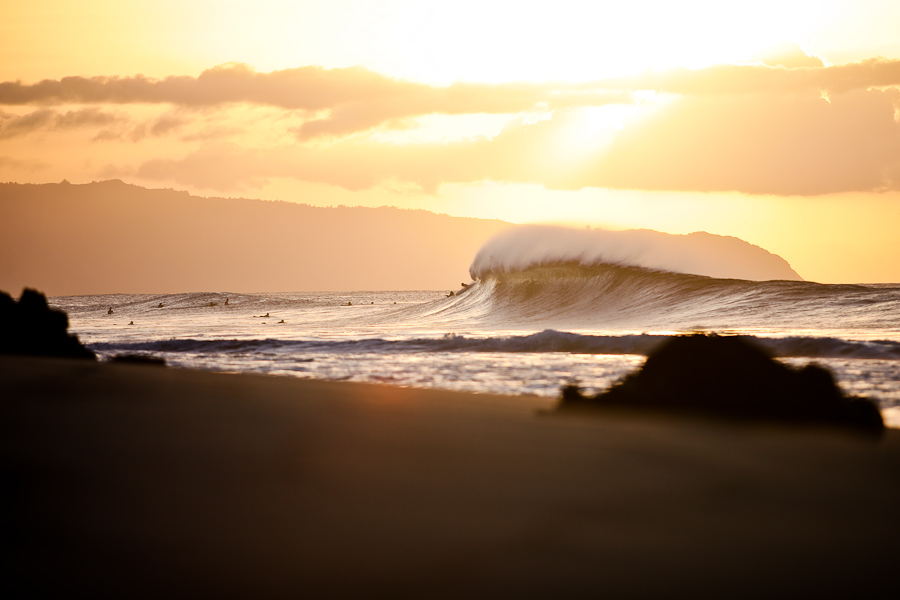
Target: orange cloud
{"points": [[521, 153], [763, 144], [317, 89], [759, 129], [789, 55], [49, 119], [356, 99], [751, 79]]}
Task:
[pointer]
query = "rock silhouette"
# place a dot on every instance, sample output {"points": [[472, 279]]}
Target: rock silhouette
{"points": [[731, 377], [138, 359], [31, 327]]}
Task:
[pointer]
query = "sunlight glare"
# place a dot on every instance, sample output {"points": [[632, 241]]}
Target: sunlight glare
{"points": [[504, 40], [578, 40]]}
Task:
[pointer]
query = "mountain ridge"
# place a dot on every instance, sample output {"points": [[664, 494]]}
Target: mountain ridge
{"points": [[115, 237]]}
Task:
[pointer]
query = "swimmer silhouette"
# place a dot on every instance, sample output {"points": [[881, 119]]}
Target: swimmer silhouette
{"points": [[281, 321], [266, 315], [160, 305], [132, 323], [226, 301], [349, 304], [110, 311]]}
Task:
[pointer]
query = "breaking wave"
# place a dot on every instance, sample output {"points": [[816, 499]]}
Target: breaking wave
{"points": [[605, 296], [698, 253], [544, 341]]}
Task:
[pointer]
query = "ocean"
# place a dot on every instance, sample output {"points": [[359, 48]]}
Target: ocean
{"points": [[528, 330]]}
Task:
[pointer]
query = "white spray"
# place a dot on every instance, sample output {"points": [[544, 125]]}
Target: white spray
{"points": [[699, 253]]}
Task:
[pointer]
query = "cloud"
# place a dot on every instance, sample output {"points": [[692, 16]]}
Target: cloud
{"points": [[217, 166], [49, 119], [789, 55], [520, 153], [754, 79], [761, 144], [767, 144], [340, 102], [355, 98], [796, 128], [363, 113], [168, 123], [314, 89], [13, 125]]}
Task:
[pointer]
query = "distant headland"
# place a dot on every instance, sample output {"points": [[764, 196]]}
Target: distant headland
{"points": [[114, 237]]}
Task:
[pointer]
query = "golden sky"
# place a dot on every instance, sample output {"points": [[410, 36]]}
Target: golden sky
{"points": [[774, 121]]}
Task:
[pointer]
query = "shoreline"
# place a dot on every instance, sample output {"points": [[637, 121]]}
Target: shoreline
{"points": [[144, 481]]}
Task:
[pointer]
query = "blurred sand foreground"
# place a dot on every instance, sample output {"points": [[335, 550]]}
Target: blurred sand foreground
{"points": [[137, 481]]}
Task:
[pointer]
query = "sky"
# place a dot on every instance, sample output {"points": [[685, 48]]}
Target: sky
{"points": [[777, 122]]}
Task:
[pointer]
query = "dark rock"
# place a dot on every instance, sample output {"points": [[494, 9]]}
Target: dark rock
{"points": [[731, 377], [139, 359], [31, 327]]}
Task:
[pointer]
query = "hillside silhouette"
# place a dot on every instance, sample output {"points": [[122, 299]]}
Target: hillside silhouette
{"points": [[113, 237]]}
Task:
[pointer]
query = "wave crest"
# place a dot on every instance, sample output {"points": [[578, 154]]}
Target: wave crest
{"points": [[698, 253], [545, 341], [608, 297]]}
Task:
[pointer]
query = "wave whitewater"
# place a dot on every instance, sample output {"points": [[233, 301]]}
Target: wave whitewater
{"points": [[698, 253], [544, 341], [606, 296]]}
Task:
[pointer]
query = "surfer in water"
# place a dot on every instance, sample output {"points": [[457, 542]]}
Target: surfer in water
{"points": [[110, 311]]}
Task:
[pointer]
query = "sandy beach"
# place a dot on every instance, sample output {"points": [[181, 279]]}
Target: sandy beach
{"points": [[138, 481]]}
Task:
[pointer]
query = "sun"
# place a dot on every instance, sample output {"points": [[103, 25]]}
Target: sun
{"points": [[500, 40], [577, 40]]}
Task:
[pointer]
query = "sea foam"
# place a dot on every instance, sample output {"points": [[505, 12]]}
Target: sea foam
{"points": [[698, 253]]}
